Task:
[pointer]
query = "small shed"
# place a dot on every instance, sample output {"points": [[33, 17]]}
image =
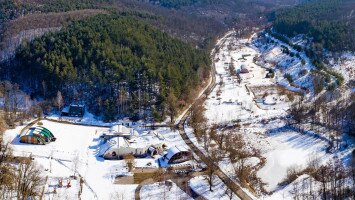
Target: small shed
{"points": [[37, 135]]}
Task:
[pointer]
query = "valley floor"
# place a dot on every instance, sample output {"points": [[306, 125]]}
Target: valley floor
{"points": [[259, 105]]}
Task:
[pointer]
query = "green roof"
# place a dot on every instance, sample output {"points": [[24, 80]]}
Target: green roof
{"points": [[40, 131], [46, 132]]}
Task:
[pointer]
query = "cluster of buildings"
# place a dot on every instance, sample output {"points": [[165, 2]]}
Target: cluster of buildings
{"points": [[118, 142]]}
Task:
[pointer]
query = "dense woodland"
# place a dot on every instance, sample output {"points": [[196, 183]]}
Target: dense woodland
{"points": [[179, 3], [117, 65], [329, 22], [10, 9]]}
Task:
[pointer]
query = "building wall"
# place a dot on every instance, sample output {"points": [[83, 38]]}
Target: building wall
{"points": [[29, 140], [180, 157], [122, 151]]}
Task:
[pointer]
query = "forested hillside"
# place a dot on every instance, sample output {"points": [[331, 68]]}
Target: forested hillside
{"points": [[10, 9], [331, 23], [118, 65], [180, 3]]}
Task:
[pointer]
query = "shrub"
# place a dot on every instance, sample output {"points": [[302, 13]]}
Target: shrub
{"points": [[318, 83], [292, 173], [318, 64], [303, 62], [2, 125], [303, 72], [331, 87], [289, 78]]}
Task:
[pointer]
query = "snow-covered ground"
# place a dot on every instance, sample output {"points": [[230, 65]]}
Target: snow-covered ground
{"points": [[76, 142], [162, 191], [287, 192], [290, 150], [259, 105], [230, 100], [219, 190]]}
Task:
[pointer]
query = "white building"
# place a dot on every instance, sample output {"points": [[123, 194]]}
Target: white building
{"points": [[121, 141], [118, 147]]}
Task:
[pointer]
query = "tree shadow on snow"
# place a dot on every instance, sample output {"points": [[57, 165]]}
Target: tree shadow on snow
{"points": [[304, 139], [98, 148]]}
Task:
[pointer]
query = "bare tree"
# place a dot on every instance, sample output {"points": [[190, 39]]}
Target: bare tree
{"points": [[130, 162], [59, 101], [198, 120], [7, 171], [75, 163], [212, 165], [44, 88], [51, 153], [229, 191], [29, 182], [295, 191], [323, 176]]}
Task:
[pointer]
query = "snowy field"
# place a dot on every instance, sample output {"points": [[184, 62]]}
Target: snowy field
{"points": [[291, 150], [82, 143], [230, 100], [219, 190], [161, 191]]}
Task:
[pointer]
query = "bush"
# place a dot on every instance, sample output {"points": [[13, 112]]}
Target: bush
{"points": [[292, 173], [303, 72], [318, 64], [289, 78], [157, 116], [290, 97], [2, 125], [303, 62], [338, 76], [331, 87], [318, 83]]}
